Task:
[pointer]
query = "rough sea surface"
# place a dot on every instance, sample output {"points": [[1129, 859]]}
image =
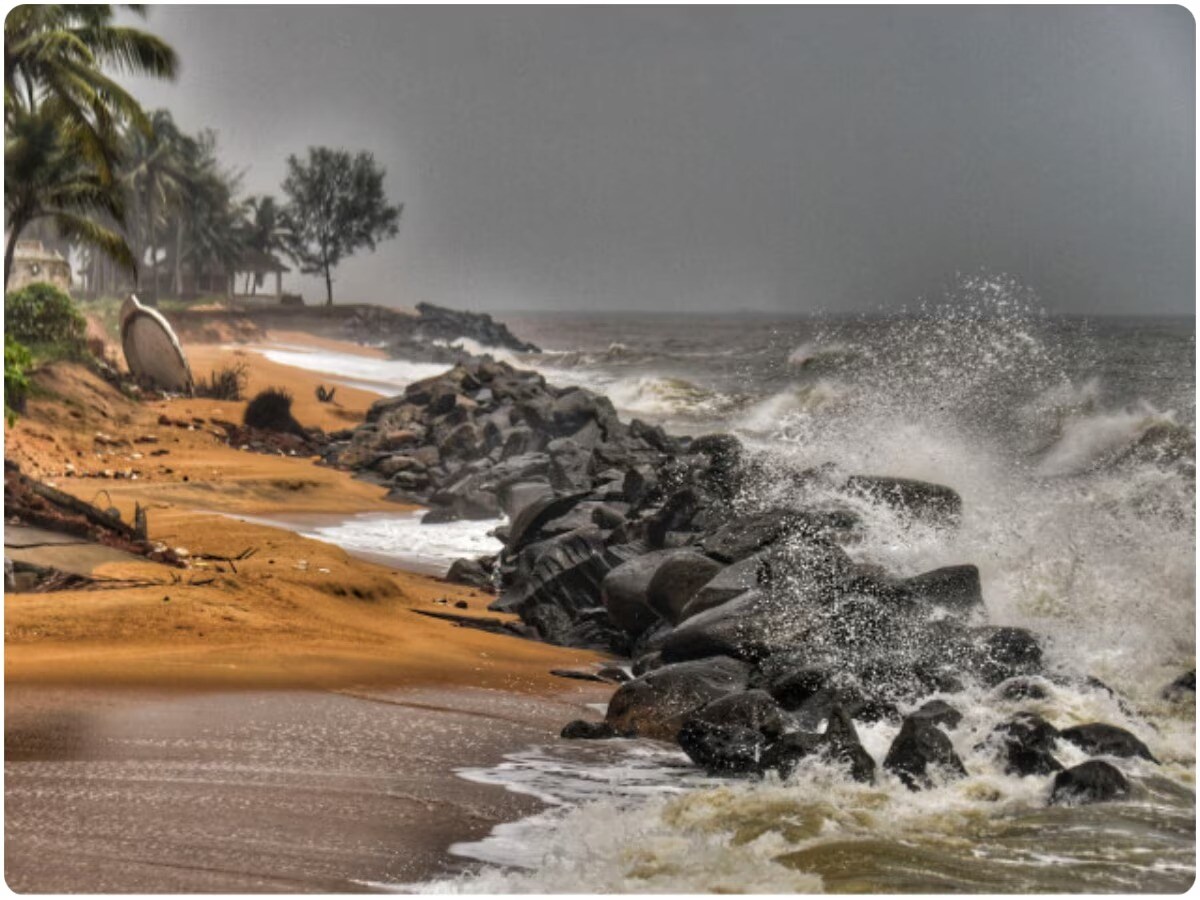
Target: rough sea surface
{"points": [[1071, 441]]}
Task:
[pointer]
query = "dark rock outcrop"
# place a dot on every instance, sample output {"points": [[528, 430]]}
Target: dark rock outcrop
{"points": [[580, 729], [657, 703], [919, 747], [1094, 781], [1100, 739]]}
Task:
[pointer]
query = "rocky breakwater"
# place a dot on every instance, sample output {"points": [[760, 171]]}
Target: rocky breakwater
{"points": [[754, 639], [430, 335]]}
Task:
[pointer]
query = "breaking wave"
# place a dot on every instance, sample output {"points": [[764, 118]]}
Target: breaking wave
{"points": [[1078, 487]]}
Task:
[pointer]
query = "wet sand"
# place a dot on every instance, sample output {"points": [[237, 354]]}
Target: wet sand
{"points": [[282, 723], [258, 791]]}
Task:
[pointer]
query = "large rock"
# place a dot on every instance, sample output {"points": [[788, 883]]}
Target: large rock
{"points": [[656, 704], [953, 588], [1100, 739], [676, 580], [839, 743], [938, 712], [1006, 653], [529, 519], [727, 583], [473, 572], [1091, 782], [625, 592], [934, 503], [1026, 745], [754, 709], [746, 535], [919, 747], [749, 627], [722, 749], [560, 594], [579, 729]]}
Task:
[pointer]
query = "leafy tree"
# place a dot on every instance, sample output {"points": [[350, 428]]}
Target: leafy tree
{"points": [[336, 205]]}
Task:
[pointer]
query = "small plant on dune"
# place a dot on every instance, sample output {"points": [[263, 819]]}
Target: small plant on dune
{"points": [[17, 361], [271, 410], [223, 384], [45, 319]]}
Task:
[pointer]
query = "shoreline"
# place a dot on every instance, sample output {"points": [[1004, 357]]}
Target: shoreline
{"points": [[317, 630], [144, 791]]}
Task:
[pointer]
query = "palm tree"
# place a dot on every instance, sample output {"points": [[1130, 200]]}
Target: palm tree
{"points": [[62, 116], [155, 173], [46, 176], [210, 226], [266, 229], [59, 52]]}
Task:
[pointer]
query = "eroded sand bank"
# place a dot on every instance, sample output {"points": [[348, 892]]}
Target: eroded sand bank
{"points": [[285, 722]]}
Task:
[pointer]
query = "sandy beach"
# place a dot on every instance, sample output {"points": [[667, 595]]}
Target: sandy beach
{"points": [[301, 647]]}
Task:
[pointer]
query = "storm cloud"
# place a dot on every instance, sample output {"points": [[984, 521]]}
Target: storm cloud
{"points": [[785, 159]]}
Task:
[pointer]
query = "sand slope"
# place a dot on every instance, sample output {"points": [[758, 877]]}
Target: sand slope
{"points": [[297, 613]]}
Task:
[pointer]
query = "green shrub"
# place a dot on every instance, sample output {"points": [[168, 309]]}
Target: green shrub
{"points": [[17, 361], [40, 315]]}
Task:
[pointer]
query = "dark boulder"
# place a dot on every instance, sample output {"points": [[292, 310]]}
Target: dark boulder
{"points": [[568, 465], [938, 712], [919, 747], [1006, 653], [676, 581], [840, 741], [1026, 744], [656, 704], [472, 572], [748, 627], [785, 754], [791, 678], [722, 749], [953, 588], [754, 709], [589, 731], [727, 583], [934, 503], [625, 592], [1094, 781], [1100, 739], [746, 535], [1183, 687], [526, 524], [1023, 688], [560, 593], [514, 497]]}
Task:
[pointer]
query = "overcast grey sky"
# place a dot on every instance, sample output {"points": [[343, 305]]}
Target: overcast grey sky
{"points": [[770, 158]]}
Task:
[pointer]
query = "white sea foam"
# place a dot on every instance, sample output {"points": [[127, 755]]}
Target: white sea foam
{"points": [[380, 376], [1098, 562], [401, 538]]}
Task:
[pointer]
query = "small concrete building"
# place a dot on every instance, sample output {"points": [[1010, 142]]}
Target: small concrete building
{"points": [[33, 262]]}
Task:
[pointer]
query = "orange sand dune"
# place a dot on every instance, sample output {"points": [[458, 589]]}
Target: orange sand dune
{"points": [[297, 613]]}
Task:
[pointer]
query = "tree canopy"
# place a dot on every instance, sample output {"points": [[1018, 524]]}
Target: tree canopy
{"points": [[335, 206]]}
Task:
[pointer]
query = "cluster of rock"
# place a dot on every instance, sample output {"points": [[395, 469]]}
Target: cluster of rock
{"points": [[425, 336], [747, 624]]}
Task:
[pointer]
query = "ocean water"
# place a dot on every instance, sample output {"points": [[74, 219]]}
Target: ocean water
{"points": [[1071, 441]]}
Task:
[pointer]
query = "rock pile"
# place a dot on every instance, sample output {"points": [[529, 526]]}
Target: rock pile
{"points": [[425, 336], [755, 640]]}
